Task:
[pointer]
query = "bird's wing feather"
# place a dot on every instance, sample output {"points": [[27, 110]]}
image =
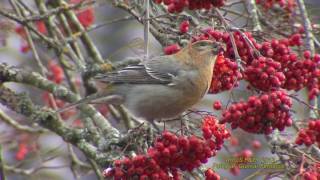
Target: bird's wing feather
{"points": [[153, 71]]}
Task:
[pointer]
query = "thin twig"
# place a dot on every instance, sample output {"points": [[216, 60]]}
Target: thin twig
{"points": [[254, 14], [234, 46], [2, 176], [147, 28], [5, 118], [54, 11]]}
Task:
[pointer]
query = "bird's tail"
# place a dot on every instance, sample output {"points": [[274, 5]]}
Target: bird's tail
{"points": [[85, 100], [100, 97]]}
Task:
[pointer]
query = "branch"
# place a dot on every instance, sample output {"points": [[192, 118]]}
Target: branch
{"points": [[49, 120], [18, 126], [254, 14], [9, 74], [234, 46], [2, 176], [80, 5]]}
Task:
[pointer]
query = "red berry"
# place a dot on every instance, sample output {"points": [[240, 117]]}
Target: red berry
{"points": [[217, 105], [172, 49], [184, 26], [256, 144]]}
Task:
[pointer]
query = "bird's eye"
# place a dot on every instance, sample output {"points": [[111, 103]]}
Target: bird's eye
{"points": [[203, 45]]}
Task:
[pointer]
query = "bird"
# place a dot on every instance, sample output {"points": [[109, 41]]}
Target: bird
{"points": [[162, 87]]}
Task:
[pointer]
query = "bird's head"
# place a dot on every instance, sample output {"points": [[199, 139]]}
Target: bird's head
{"points": [[206, 47], [205, 50]]}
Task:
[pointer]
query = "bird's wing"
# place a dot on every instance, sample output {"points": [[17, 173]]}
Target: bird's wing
{"points": [[158, 70]]}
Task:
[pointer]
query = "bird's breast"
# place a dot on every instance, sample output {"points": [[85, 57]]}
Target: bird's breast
{"points": [[159, 101]]}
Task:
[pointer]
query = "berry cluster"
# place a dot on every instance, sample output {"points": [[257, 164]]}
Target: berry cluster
{"points": [[225, 75], [244, 49], [260, 114], [185, 153], [304, 73], [264, 74], [138, 167], [211, 128], [177, 6], [299, 73], [278, 66], [287, 5], [279, 50], [310, 135], [171, 153]]}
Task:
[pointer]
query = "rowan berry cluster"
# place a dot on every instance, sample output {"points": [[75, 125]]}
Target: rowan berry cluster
{"points": [[211, 128], [287, 5], [172, 153], [245, 50], [226, 75], [264, 74], [177, 6], [185, 153], [279, 50], [299, 73], [304, 73], [260, 114], [310, 135]]}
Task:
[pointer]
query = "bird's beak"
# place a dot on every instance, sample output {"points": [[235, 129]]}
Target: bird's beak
{"points": [[218, 47]]}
